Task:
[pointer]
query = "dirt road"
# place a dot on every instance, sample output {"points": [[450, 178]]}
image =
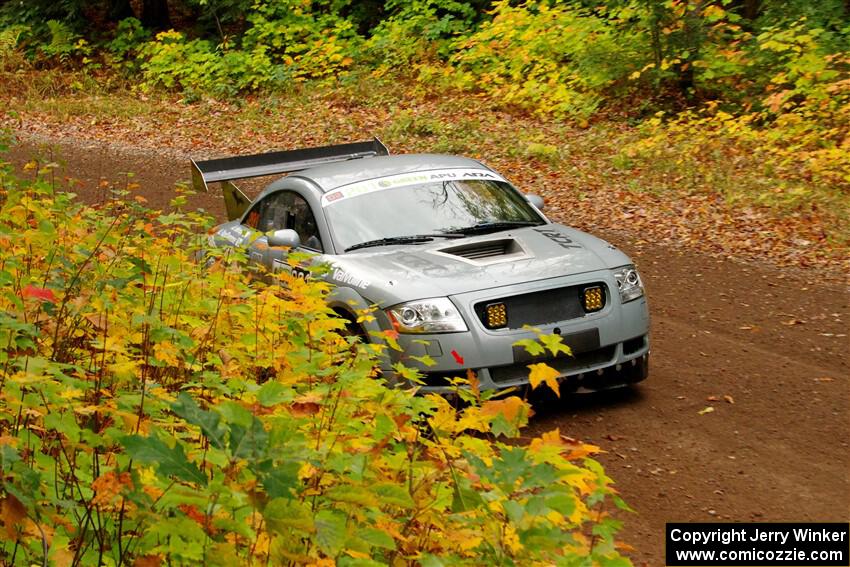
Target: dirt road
{"points": [[766, 348]]}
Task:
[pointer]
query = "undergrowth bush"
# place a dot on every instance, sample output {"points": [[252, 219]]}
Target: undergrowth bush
{"points": [[284, 42], [155, 410], [790, 150], [417, 32], [549, 58]]}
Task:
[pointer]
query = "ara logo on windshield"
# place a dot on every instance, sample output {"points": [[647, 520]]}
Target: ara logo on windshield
{"points": [[558, 238], [464, 175]]}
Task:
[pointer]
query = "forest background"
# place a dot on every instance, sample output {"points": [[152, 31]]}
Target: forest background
{"points": [[740, 104], [134, 431]]}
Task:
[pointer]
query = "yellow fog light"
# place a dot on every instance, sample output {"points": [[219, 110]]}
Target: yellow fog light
{"points": [[497, 316], [593, 298]]}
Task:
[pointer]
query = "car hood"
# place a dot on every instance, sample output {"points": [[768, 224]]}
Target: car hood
{"points": [[392, 274]]}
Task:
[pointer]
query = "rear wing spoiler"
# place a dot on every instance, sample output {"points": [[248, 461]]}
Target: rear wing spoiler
{"points": [[224, 170]]}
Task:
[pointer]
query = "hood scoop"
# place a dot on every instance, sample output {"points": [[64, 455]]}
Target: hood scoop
{"points": [[486, 251]]}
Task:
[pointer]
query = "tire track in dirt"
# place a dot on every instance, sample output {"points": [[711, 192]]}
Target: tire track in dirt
{"points": [[769, 338]]}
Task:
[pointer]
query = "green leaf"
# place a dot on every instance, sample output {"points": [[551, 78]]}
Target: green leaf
{"points": [[351, 494], [617, 561], [428, 560], [383, 426], [330, 531], [425, 360], [562, 503], [281, 480], [249, 442], [377, 538], [232, 412], [272, 393], [283, 514], [393, 494], [208, 421], [555, 344], [170, 461], [465, 499], [514, 510]]}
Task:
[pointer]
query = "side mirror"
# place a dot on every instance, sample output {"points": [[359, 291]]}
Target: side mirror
{"points": [[285, 237], [536, 200]]}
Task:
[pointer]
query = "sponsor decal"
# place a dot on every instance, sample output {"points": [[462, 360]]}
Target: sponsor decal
{"points": [[295, 271], [558, 238], [407, 179], [349, 279], [233, 235]]}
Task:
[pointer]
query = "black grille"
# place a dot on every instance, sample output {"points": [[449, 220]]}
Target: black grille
{"points": [[438, 379], [633, 345], [563, 364], [541, 307]]}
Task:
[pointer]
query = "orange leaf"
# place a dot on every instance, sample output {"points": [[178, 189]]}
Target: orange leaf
{"points": [[570, 448], [108, 486], [12, 515], [148, 561], [509, 407]]}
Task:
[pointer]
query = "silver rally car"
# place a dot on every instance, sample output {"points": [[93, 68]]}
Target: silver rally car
{"points": [[457, 260]]}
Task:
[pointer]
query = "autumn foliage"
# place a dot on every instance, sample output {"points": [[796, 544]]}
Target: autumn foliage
{"points": [[743, 100], [155, 410]]}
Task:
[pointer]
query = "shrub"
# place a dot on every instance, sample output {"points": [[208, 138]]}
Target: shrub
{"points": [[790, 150], [157, 410], [417, 32], [10, 55], [554, 59]]}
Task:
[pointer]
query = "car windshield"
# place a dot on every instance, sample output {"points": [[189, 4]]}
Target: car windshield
{"points": [[450, 208]]}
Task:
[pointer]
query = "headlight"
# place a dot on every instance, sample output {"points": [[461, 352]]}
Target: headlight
{"points": [[437, 315], [629, 284]]}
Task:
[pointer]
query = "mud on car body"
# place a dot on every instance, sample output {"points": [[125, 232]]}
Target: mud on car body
{"points": [[459, 262]]}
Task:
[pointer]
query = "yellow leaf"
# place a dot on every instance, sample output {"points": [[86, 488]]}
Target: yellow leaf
{"points": [[543, 373], [62, 557], [511, 539], [166, 352]]}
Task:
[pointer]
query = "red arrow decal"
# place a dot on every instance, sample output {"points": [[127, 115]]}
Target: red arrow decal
{"points": [[458, 358]]}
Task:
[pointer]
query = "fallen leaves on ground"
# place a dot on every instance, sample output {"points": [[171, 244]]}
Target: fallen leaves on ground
{"points": [[582, 187]]}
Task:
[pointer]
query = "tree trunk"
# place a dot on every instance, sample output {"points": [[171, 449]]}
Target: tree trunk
{"points": [[119, 10], [752, 9], [155, 14]]}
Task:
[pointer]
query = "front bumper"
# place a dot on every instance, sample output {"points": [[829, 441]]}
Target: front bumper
{"points": [[610, 347]]}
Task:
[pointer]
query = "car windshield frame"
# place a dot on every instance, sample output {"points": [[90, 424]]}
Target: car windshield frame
{"points": [[452, 206]]}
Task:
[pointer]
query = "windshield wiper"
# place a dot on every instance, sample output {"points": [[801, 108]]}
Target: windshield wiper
{"points": [[410, 239], [496, 226]]}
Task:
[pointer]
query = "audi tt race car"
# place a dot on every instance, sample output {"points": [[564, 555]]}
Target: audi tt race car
{"points": [[458, 261]]}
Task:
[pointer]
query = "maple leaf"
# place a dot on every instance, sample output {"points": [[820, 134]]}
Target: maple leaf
{"points": [[109, 485], [570, 448], [543, 373], [148, 561], [39, 293], [474, 384], [508, 407], [555, 344], [12, 515]]}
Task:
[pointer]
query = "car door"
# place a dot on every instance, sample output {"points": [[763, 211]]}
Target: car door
{"points": [[282, 210]]}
